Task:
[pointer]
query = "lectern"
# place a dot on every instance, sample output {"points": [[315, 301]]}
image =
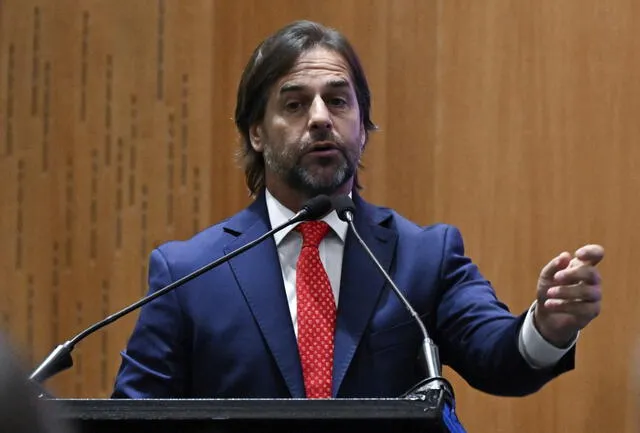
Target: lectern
{"points": [[252, 415]]}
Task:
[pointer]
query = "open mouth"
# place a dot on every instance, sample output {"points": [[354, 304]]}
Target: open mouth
{"points": [[324, 149]]}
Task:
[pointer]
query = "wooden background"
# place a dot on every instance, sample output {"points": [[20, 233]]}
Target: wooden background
{"points": [[516, 120]]}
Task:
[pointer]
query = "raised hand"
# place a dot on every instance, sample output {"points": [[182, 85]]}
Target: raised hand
{"points": [[569, 294]]}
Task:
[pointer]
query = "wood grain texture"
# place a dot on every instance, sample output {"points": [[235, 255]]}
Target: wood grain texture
{"points": [[536, 153], [514, 120]]}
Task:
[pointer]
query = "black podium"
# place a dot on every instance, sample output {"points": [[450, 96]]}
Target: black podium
{"points": [[252, 415]]}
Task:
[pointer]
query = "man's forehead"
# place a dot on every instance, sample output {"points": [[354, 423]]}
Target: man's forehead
{"points": [[293, 85], [317, 67]]}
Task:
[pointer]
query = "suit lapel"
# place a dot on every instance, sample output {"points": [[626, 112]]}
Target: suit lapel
{"points": [[259, 276], [361, 283]]}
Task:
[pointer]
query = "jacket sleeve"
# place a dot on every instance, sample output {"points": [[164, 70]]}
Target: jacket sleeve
{"points": [[153, 363], [477, 334]]}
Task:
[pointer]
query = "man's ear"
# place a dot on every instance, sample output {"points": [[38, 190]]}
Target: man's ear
{"points": [[363, 137], [256, 137]]}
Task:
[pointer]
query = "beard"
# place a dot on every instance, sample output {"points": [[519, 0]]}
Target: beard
{"points": [[323, 177]]}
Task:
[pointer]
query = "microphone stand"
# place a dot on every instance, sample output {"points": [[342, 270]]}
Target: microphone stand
{"points": [[430, 355], [434, 389], [60, 358]]}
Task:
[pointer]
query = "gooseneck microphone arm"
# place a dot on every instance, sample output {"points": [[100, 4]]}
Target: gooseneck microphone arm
{"points": [[60, 358], [345, 209]]}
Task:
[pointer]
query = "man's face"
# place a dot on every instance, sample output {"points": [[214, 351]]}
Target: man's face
{"points": [[312, 134]]}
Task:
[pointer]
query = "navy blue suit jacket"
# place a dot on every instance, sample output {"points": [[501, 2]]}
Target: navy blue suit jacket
{"points": [[228, 333]]}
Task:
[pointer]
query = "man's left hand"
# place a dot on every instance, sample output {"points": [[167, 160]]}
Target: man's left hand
{"points": [[569, 295]]}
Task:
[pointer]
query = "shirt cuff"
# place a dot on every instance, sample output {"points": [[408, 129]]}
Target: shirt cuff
{"points": [[537, 351]]}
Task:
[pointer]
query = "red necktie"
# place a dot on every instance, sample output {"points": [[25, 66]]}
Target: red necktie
{"points": [[316, 313]]}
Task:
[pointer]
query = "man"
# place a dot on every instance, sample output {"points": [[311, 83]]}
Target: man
{"points": [[302, 317]]}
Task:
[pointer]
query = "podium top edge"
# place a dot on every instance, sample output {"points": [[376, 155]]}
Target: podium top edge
{"points": [[245, 409]]}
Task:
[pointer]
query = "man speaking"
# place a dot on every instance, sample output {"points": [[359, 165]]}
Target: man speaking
{"points": [[307, 314]]}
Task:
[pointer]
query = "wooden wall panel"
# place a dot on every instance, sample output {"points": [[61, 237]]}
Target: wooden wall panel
{"points": [[106, 115], [536, 152], [514, 120]]}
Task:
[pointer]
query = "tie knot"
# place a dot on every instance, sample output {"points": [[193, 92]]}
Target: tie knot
{"points": [[312, 232]]}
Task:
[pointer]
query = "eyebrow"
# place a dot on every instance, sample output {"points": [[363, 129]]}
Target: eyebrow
{"points": [[334, 84]]}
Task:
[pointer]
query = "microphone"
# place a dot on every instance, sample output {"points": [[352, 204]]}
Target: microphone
{"points": [[60, 358], [345, 208]]}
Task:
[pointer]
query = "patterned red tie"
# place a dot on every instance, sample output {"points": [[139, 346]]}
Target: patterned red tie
{"points": [[316, 312]]}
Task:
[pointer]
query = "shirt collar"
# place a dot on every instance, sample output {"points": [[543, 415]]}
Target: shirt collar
{"points": [[279, 214]]}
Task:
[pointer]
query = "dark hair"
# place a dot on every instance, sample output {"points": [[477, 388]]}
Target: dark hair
{"points": [[270, 61]]}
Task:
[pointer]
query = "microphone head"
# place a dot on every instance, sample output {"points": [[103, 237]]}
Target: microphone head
{"points": [[316, 208], [344, 206]]}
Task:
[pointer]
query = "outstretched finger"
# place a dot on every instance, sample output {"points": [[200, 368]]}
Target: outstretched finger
{"points": [[592, 254], [560, 262]]}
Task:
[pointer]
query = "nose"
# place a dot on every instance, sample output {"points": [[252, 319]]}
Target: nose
{"points": [[319, 116]]}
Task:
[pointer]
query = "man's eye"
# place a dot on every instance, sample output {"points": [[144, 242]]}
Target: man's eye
{"points": [[338, 102], [293, 106]]}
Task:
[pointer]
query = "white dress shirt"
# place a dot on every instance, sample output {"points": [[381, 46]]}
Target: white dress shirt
{"points": [[534, 348]]}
